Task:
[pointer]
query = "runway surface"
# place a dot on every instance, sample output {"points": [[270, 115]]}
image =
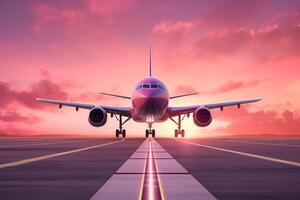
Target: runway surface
{"points": [[70, 168]]}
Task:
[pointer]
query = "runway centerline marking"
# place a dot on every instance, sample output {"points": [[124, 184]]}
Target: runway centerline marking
{"points": [[39, 158], [264, 143], [287, 162], [152, 179], [152, 189], [39, 144]]}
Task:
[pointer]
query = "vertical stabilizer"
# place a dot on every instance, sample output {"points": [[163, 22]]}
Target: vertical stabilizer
{"points": [[150, 63]]}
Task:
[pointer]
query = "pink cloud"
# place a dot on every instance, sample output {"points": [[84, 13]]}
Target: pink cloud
{"points": [[47, 13], [271, 42], [45, 88], [169, 27], [109, 8], [7, 95], [243, 121], [234, 85], [227, 87], [275, 41], [13, 116], [184, 89]]}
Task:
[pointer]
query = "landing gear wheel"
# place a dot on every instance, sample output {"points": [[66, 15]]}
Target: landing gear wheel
{"points": [[182, 133], [176, 133], [153, 133], [147, 133], [120, 130]]}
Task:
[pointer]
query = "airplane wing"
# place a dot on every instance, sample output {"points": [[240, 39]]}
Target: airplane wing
{"points": [[173, 111], [110, 109]]}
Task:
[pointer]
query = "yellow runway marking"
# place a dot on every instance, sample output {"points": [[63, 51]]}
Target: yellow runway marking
{"points": [[143, 178], [287, 162], [39, 158]]}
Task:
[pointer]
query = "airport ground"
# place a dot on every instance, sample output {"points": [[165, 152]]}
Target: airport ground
{"points": [[216, 168]]}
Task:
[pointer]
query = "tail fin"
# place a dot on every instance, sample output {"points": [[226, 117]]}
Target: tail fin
{"points": [[150, 63]]}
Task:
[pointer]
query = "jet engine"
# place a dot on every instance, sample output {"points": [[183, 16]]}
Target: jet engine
{"points": [[97, 117], [202, 117]]}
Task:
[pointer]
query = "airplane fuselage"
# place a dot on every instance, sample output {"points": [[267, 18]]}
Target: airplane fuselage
{"points": [[150, 99]]}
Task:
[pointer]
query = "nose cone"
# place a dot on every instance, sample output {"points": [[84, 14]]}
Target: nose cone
{"points": [[150, 102]]}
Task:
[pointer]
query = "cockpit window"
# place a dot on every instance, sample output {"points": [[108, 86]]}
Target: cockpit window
{"points": [[139, 87], [149, 86], [161, 87]]}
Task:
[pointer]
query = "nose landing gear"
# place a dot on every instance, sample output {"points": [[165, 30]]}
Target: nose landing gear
{"points": [[150, 131], [179, 132]]}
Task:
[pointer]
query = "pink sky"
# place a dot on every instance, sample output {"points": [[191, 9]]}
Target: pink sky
{"points": [[225, 50]]}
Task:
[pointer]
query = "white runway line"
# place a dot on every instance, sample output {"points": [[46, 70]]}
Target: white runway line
{"points": [[183, 186], [277, 160], [264, 143], [177, 183], [132, 166], [39, 144], [125, 186], [120, 186], [39, 158], [174, 180]]}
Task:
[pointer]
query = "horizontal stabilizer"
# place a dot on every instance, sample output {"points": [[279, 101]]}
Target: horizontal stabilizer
{"points": [[115, 95], [183, 95]]}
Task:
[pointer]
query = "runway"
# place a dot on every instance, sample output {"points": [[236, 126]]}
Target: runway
{"points": [[219, 168]]}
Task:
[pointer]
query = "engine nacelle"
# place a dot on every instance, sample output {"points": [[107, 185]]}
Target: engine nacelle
{"points": [[97, 117], [202, 117]]}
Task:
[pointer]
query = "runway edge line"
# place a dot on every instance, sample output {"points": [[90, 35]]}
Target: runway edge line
{"points": [[39, 158]]}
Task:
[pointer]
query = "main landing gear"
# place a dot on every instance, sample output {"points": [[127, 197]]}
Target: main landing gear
{"points": [[121, 131], [150, 131], [179, 131]]}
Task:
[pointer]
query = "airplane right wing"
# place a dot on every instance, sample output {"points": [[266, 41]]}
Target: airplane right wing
{"points": [[173, 111]]}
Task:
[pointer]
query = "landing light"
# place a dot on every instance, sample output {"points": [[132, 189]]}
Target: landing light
{"points": [[150, 119]]}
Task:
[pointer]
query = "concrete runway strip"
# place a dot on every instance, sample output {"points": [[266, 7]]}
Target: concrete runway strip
{"points": [[149, 169]]}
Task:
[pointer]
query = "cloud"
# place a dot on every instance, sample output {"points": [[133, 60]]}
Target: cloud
{"points": [[234, 85], [47, 13], [7, 95], [109, 8], [177, 26], [71, 16], [184, 89], [227, 87], [243, 121], [272, 42], [13, 116], [233, 13], [44, 88], [276, 40]]}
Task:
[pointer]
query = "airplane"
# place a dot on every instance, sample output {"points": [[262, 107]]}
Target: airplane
{"points": [[149, 104]]}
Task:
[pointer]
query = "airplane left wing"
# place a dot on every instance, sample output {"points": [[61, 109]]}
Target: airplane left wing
{"points": [[173, 111], [110, 109]]}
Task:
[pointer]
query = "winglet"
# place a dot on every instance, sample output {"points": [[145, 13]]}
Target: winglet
{"points": [[150, 63]]}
